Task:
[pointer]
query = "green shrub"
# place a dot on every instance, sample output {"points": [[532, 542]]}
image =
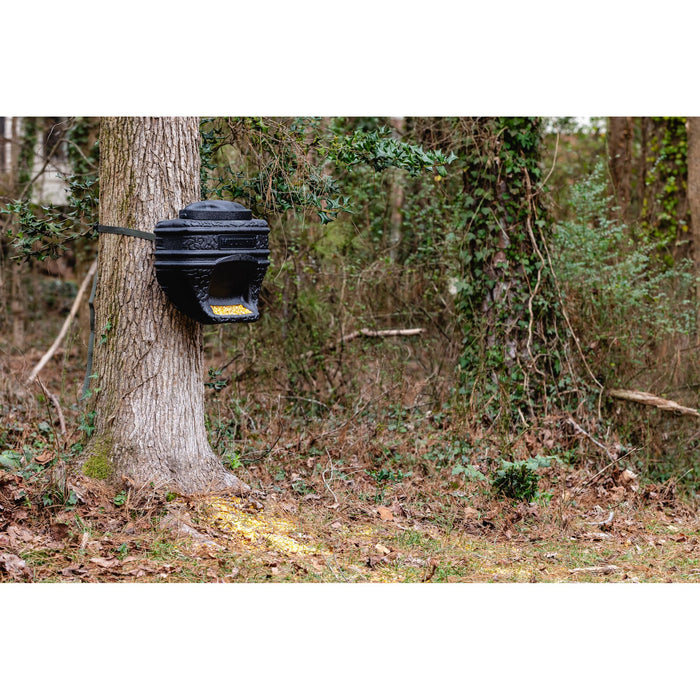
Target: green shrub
{"points": [[519, 480], [622, 293]]}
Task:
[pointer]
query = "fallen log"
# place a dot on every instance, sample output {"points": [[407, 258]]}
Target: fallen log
{"points": [[651, 400]]}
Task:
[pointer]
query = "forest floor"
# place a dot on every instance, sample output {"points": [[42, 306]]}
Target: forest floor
{"points": [[283, 536], [379, 495]]}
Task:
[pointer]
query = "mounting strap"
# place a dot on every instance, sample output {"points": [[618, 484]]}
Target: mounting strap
{"points": [[149, 236]]}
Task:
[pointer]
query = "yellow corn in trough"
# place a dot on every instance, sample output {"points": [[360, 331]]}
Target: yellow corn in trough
{"points": [[235, 310]]}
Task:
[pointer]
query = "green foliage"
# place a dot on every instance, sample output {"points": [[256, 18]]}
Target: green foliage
{"points": [[620, 292], [216, 381], [233, 460], [57, 497], [9, 459], [384, 475], [456, 455], [380, 150], [664, 209], [520, 480], [277, 165], [49, 231], [468, 471], [87, 423]]}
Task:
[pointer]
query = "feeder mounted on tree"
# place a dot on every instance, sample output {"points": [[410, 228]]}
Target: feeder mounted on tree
{"points": [[211, 261]]}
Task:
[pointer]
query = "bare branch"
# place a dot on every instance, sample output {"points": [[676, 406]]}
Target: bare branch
{"points": [[367, 332], [66, 324]]}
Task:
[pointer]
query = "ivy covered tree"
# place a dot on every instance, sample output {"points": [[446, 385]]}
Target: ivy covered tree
{"points": [[505, 295]]}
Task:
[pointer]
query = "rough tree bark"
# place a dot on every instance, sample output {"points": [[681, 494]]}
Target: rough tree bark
{"points": [[147, 384], [693, 126], [396, 199], [620, 157]]}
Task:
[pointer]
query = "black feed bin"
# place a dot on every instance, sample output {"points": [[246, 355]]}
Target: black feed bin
{"points": [[211, 261]]}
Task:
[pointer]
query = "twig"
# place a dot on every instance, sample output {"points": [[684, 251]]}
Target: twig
{"points": [[562, 304], [66, 324], [302, 398], [591, 438], [381, 334], [607, 520], [323, 476], [368, 333], [595, 477], [554, 162], [57, 405]]}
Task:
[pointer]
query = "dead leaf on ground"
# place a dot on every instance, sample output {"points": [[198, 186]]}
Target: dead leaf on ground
{"points": [[382, 549], [397, 509], [18, 534], [105, 563], [59, 531], [44, 457], [385, 513], [14, 565], [74, 570]]}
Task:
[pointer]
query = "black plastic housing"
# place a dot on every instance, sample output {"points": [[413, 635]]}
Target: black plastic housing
{"points": [[211, 261]]}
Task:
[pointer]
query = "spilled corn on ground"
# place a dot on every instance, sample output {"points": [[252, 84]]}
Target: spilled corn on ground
{"points": [[323, 554], [262, 532]]}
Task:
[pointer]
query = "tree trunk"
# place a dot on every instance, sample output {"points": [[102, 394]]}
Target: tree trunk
{"points": [[620, 156], [17, 300], [148, 389], [693, 125], [396, 199]]}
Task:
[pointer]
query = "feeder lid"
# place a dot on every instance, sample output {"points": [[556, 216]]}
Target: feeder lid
{"points": [[216, 209]]}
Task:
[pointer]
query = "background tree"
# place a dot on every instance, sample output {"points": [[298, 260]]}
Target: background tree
{"points": [[694, 200], [620, 133], [148, 389]]}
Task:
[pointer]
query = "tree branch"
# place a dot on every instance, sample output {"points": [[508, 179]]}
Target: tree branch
{"points": [[66, 324], [367, 332]]}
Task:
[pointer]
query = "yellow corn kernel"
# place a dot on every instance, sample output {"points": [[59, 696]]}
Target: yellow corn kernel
{"points": [[236, 310]]}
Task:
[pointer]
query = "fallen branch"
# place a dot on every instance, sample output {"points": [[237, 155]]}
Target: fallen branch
{"points": [[651, 400], [66, 324], [380, 334], [369, 333]]}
